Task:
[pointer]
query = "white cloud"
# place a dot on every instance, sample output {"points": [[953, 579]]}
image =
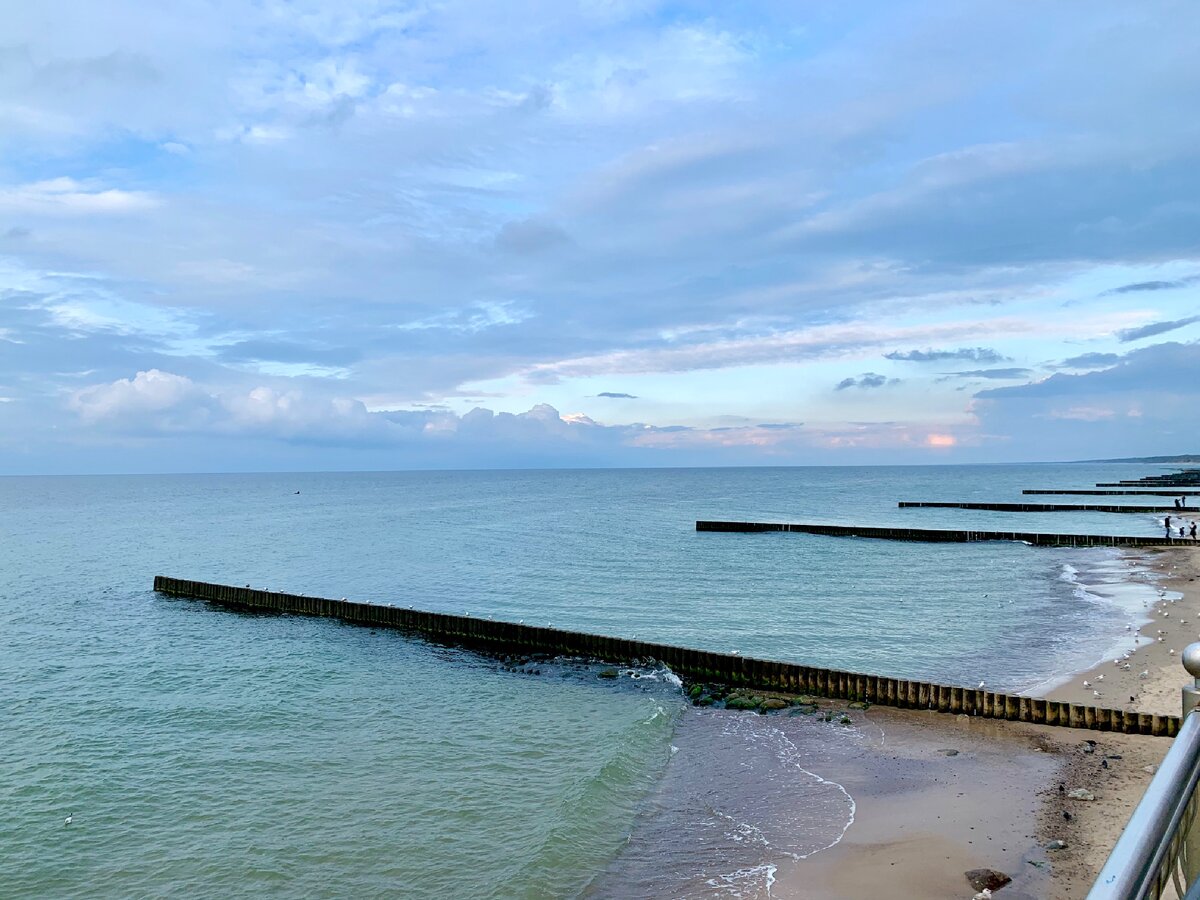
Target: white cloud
{"points": [[68, 197], [152, 400]]}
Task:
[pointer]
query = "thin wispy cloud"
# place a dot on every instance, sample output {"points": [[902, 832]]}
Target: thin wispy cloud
{"points": [[1125, 335], [1144, 286], [971, 354]]}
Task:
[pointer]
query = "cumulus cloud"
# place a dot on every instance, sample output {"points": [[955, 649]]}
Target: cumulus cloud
{"points": [[151, 400], [972, 354], [1125, 335]]}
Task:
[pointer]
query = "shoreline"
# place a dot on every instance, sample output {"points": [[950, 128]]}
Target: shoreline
{"points": [[939, 795], [1017, 777]]}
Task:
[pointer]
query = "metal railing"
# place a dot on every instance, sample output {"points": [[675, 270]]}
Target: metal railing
{"points": [[1159, 846]]}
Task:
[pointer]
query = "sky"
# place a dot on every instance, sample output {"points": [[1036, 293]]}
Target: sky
{"points": [[255, 236]]}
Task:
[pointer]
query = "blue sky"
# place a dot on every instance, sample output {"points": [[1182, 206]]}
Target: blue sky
{"points": [[271, 235]]}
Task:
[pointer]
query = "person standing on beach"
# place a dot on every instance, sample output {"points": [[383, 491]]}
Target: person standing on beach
{"points": [[1167, 523], [1193, 531]]}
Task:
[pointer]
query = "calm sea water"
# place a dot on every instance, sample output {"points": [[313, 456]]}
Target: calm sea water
{"points": [[233, 755]]}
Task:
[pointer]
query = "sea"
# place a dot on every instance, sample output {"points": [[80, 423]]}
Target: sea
{"points": [[218, 754]]}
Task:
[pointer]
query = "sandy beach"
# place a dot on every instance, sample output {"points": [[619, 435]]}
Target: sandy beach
{"points": [[942, 795]]}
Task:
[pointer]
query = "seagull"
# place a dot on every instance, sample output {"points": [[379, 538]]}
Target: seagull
{"points": [[70, 818], [980, 686], [1086, 683], [1170, 653], [1100, 678], [1096, 694], [1145, 673]]}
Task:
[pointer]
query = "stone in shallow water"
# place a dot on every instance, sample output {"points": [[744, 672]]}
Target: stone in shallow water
{"points": [[987, 879]]}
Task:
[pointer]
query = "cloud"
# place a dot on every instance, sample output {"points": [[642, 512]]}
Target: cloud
{"points": [[974, 354], [151, 400], [613, 395], [1125, 335], [68, 197], [1090, 361], [1143, 405], [999, 374], [1140, 286], [866, 380], [419, 204]]}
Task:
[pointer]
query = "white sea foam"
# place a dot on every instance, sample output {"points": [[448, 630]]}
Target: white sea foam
{"points": [[748, 882]]}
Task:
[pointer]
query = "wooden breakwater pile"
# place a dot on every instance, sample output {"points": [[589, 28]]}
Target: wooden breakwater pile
{"points": [[942, 535], [1183, 479], [734, 670], [1097, 492], [1047, 507]]}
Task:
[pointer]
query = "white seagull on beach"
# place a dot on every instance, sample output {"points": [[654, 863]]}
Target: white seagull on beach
{"points": [[1086, 683]]}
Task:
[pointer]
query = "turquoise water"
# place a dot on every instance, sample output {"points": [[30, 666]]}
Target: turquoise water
{"points": [[232, 755]]}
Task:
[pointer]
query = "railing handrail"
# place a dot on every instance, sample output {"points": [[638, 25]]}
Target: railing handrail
{"points": [[1140, 863]]}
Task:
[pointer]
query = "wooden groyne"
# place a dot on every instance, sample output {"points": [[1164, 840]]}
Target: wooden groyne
{"points": [[1093, 492], [945, 535], [1047, 507], [695, 665]]}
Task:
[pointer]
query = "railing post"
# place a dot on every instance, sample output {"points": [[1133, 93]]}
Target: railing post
{"points": [[1189, 855]]}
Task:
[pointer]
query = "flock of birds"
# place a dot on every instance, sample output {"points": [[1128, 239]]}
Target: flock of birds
{"points": [[1124, 663]]}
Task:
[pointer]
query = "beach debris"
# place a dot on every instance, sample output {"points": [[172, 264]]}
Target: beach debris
{"points": [[1170, 652], [1080, 794], [986, 880], [985, 894], [1088, 746], [1152, 768], [1056, 845], [948, 752], [1067, 816]]}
